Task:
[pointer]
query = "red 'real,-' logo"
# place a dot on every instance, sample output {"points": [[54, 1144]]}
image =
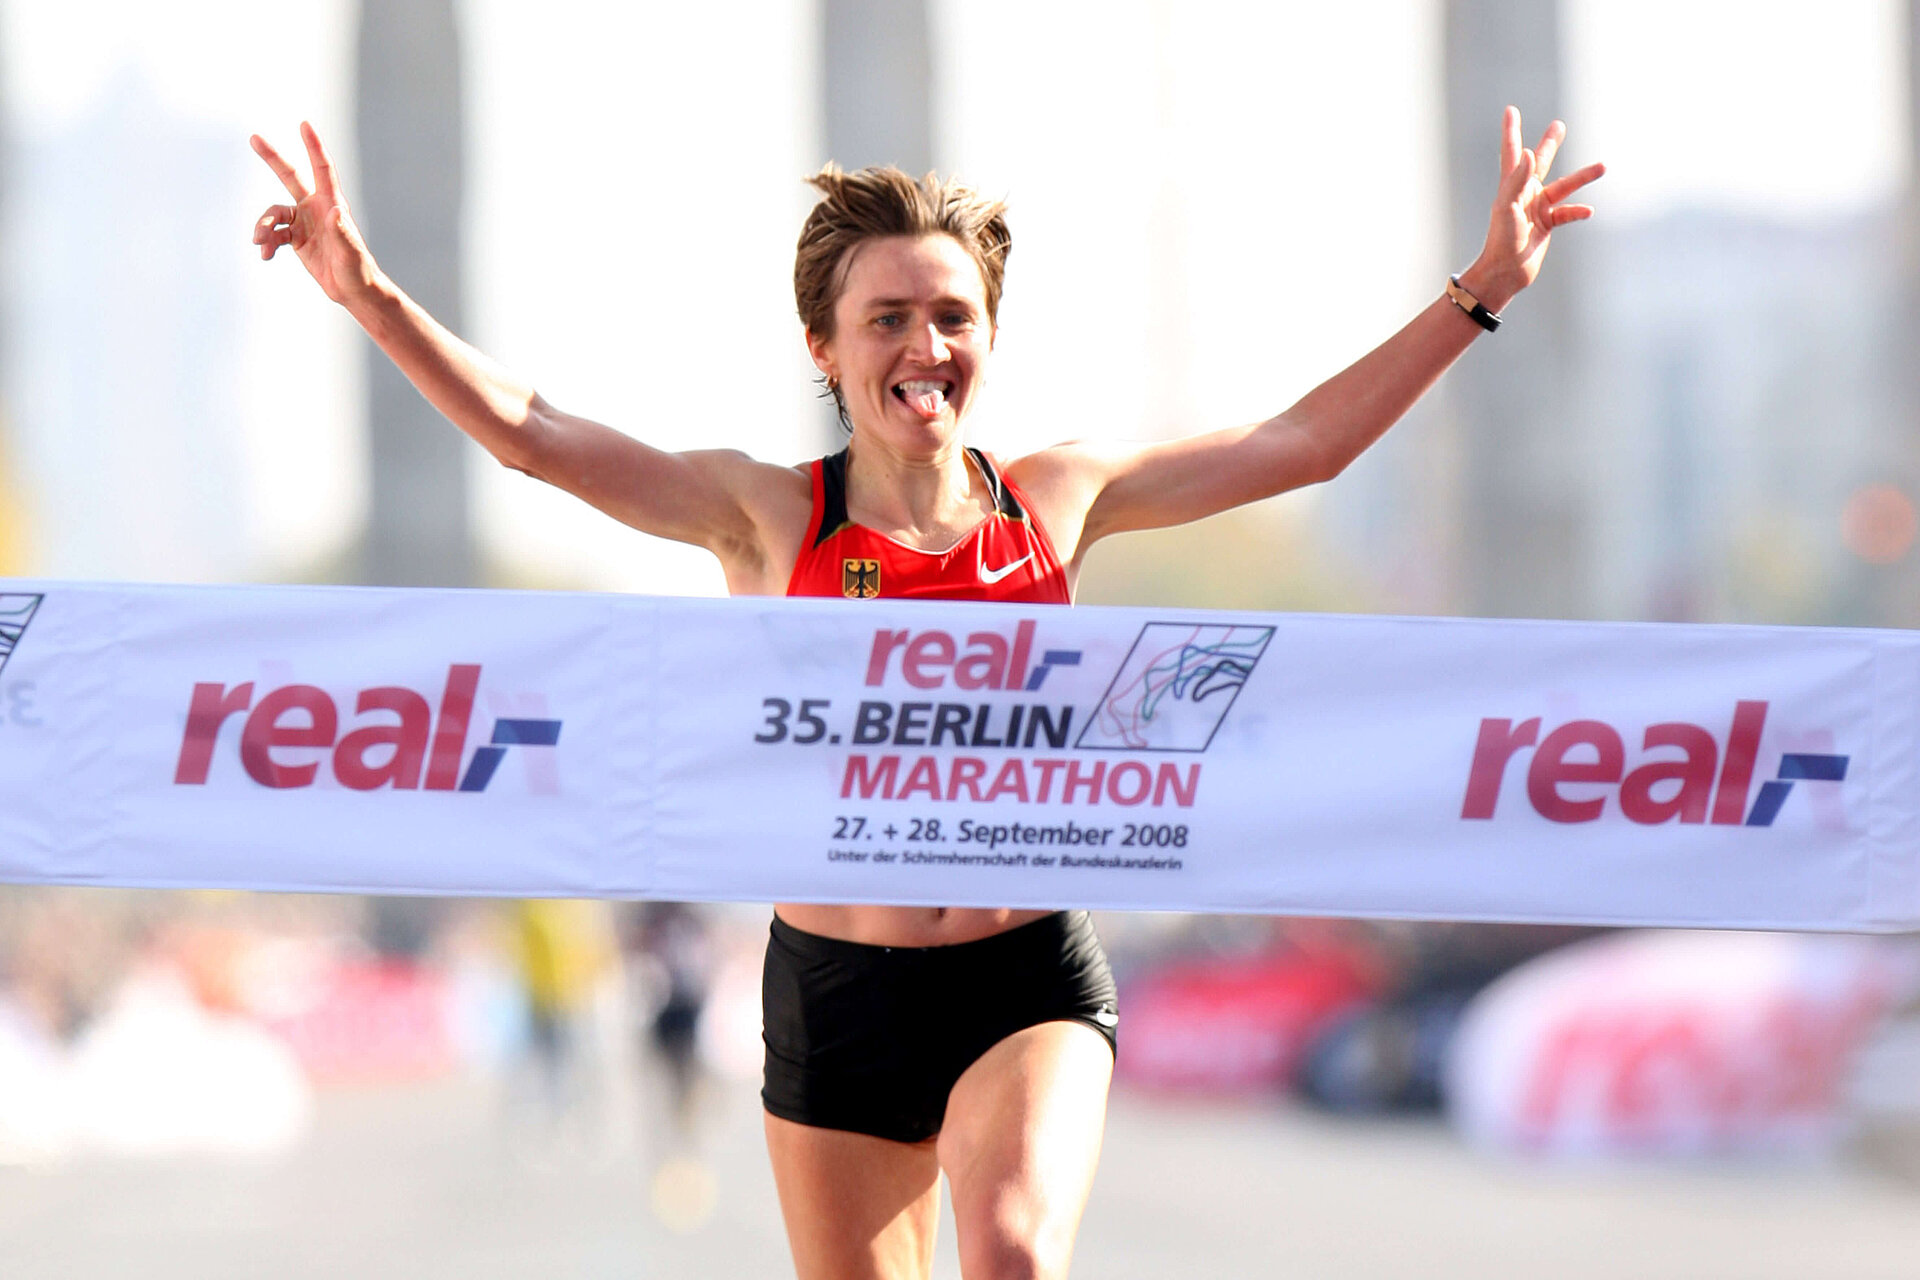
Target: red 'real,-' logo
{"points": [[1704, 783], [371, 756], [986, 659]]}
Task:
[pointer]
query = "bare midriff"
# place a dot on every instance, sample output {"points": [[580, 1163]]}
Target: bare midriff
{"points": [[904, 926]]}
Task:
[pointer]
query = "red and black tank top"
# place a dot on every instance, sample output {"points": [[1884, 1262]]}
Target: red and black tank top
{"points": [[1007, 556]]}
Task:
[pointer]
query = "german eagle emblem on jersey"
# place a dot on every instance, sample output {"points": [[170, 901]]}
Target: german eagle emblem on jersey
{"points": [[859, 579]]}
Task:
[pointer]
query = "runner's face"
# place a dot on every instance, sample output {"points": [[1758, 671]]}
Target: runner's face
{"points": [[911, 339]]}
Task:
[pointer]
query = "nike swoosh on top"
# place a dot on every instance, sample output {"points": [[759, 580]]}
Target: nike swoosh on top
{"points": [[991, 576]]}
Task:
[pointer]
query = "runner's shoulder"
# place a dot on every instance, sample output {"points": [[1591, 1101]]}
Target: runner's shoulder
{"points": [[1071, 464], [752, 481]]}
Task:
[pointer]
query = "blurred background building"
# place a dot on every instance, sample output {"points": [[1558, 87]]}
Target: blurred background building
{"points": [[1705, 411], [1699, 413]]}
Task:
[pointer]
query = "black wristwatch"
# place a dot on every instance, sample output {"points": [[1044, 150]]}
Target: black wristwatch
{"points": [[1458, 295]]}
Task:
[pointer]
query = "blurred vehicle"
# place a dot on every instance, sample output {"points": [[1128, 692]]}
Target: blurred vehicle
{"points": [[1357, 1016], [1239, 1022], [1389, 1053]]}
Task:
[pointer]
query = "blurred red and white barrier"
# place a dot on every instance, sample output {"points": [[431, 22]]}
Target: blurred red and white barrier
{"points": [[1674, 1043]]}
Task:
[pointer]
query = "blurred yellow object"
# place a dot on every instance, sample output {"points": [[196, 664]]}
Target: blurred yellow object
{"points": [[13, 525], [564, 946]]}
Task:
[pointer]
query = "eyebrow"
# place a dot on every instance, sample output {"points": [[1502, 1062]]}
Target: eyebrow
{"points": [[952, 300]]}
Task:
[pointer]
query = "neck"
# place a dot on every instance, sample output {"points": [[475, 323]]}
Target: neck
{"points": [[925, 500]]}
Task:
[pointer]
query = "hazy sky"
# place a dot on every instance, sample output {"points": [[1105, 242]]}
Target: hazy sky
{"points": [[635, 196], [1774, 106]]}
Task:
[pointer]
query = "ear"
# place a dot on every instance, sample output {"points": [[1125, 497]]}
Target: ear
{"points": [[821, 349]]}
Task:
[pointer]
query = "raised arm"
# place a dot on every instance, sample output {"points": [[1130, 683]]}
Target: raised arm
{"points": [[1089, 490], [737, 508]]}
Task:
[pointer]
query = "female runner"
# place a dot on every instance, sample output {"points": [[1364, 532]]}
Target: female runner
{"points": [[903, 1042]]}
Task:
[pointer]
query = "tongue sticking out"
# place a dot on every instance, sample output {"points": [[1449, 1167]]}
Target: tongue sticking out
{"points": [[927, 398]]}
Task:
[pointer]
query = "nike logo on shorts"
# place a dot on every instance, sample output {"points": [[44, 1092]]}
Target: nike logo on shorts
{"points": [[1105, 1017], [991, 576]]}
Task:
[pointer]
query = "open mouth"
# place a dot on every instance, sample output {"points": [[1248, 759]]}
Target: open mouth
{"points": [[923, 396]]}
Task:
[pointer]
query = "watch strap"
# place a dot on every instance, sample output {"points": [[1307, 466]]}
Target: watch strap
{"points": [[1458, 295]]}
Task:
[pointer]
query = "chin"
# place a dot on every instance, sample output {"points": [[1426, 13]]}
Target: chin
{"points": [[919, 435]]}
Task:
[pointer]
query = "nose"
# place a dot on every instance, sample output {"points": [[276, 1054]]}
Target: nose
{"points": [[930, 345]]}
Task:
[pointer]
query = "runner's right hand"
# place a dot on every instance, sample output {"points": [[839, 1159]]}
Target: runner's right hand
{"points": [[316, 225]]}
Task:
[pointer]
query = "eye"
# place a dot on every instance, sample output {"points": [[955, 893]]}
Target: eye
{"points": [[890, 320]]}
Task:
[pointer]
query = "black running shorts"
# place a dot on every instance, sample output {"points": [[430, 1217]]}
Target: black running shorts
{"points": [[872, 1039]]}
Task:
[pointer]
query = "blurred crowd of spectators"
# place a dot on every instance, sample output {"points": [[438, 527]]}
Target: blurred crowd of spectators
{"points": [[139, 1022]]}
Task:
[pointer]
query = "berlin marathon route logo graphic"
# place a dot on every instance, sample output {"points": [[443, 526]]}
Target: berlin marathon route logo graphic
{"points": [[16, 611], [1175, 687], [1045, 739]]}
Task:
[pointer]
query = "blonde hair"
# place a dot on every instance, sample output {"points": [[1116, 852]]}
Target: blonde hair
{"points": [[873, 203]]}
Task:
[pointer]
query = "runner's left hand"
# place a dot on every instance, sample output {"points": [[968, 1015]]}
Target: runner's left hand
{"points": [[1526, 210]]}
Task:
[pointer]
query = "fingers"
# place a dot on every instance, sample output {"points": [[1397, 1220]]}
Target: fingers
{"points": [[281, 169], [271, 239], [1549, 147], [323, 179], [1509, 140], [278, 217], [273, 230], [1561, 215], [1514, 182], [1561, 188]]}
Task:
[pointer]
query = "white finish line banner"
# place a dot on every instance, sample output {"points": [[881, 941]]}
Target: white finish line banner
{"points": [[475, 742]]}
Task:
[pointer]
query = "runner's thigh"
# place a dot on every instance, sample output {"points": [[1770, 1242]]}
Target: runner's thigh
{"points": [[856, 1207], [1021, 1139]]}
